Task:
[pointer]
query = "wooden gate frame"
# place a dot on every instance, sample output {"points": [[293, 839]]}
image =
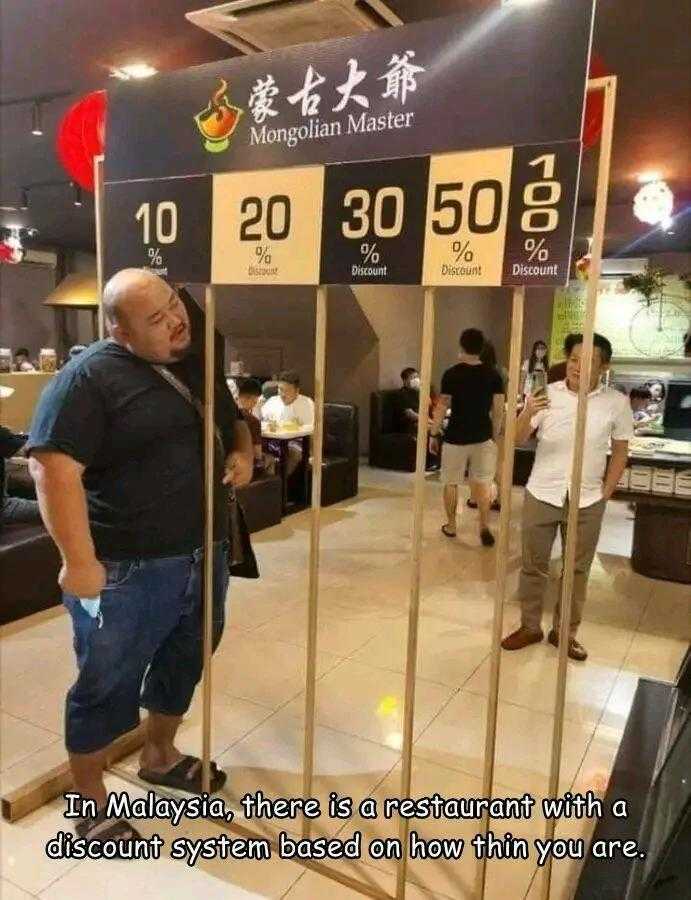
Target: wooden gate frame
{"points": [[42, 789]]}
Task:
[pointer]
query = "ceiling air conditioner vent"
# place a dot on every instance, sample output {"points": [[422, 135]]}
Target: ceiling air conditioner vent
{"points": [[258, 25]]}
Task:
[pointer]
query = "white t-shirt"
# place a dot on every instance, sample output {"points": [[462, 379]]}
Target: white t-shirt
{"points": [[301, 410], [609, 418]]}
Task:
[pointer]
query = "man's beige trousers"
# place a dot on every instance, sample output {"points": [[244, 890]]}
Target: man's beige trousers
{"points": [[540, 523]]}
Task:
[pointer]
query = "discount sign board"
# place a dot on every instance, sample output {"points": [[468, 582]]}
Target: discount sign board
{"points": [[441, 153]]}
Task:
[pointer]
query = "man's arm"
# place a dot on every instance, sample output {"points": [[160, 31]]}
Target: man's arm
{"points": [[497, 415], [62, 501], [617, 464], [534, 403], [240, 460]]}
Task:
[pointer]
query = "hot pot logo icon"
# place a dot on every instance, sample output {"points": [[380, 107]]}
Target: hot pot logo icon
{"points": [[218, 121]]}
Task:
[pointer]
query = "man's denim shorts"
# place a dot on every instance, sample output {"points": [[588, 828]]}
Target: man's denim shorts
{"points": [[139, 645]]}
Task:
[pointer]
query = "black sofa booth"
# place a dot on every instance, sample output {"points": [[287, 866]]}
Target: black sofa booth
{"points": [[388, 448], [340, 464]]}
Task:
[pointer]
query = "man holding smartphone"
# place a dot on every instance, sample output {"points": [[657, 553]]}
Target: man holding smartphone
{"points": [[550, 413]]}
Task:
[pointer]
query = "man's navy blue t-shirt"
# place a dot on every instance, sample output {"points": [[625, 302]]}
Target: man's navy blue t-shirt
{"points": [[141, 444]]}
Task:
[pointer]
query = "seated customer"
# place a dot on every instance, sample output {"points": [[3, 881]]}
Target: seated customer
{"points": [[407, 402], [406, 410], [290, 407], [249, 391], [14, 510], [22, 363]]}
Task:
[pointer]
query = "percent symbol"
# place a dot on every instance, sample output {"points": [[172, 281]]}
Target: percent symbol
{"points": [[263, 254], [536, 249], [462, 251], [369, 253], [154, 255]]}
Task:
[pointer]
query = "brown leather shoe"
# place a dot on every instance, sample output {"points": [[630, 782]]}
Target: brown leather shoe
{"points": [[576, 651], [521, 638]]}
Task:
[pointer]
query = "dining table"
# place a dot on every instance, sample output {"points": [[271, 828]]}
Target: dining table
{"points": [[277, 439]]}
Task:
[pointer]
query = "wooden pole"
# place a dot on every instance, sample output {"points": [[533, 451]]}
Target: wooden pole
{"points": [[414, 602], [609, 86], [313, 595], [502, 566], [209, 488], [98, 214]]}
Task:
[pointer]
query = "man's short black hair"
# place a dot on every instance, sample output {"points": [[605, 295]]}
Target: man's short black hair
{"points": [[472, 341], [248, 387], [21, 351], [640, 393], [290, 376], [407, 372], [599, 341]]}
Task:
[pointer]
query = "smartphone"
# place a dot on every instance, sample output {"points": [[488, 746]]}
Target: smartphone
{"points": [[539, 382]]}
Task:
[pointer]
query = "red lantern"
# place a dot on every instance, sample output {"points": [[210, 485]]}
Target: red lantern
{"points": [[81, 136], [594, 105]]}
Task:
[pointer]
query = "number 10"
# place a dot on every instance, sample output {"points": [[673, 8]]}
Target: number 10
{"points": [[166, 222]]}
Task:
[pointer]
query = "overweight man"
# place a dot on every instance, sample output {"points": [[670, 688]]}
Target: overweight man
{"points": [[116, 452]]}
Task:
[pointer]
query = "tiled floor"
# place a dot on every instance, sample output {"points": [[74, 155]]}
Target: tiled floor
{"points": [[633, 627]]}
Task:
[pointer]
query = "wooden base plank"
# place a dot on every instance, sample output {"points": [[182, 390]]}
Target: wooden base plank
{"points": [[56, 781]]}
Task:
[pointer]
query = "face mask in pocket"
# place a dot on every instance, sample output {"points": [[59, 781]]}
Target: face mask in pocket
{"points": [[92, 607]]}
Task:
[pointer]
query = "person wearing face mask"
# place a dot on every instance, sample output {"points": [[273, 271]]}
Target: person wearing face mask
{"points": [[551, 416], [406, 411], [407, 402]]}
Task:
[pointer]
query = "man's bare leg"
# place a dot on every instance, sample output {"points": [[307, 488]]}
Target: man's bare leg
{"points": [[293, 459], [159, 753], [481, 492], [450, 505], [87, 774]]}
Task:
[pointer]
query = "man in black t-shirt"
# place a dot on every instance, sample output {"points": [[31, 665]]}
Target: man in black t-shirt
{"points": [[475, 395], [407, 402], [116, 451]]}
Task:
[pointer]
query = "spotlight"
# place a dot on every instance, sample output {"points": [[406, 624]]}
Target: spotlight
{"points": [[77, 194], [135, 70], [36, 119], [24, 201]]}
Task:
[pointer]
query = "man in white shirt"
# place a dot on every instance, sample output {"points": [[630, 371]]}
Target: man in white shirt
{"points": [[289, 406], [553, 417]]}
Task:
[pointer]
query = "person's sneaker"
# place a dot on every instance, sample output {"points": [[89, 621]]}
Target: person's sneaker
{"points": [[487, 538], [521, 638], [576, 651]]}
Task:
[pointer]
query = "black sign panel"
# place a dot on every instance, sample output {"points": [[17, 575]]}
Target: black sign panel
{"points": [[374, 222], [504, 76], [163, 225], [542, 201]]}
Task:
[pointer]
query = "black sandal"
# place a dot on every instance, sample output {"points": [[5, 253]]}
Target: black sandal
{"points": [[104, 828], [449, 534], [186, 775]]}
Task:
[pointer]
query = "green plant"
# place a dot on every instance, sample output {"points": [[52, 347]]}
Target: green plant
{"points": [[647, 283]]}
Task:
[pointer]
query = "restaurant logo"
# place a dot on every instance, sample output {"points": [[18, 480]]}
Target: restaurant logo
{"points": [[218, 120]]}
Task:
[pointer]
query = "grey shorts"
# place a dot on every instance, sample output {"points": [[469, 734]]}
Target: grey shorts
{"points": [[455, 458]]}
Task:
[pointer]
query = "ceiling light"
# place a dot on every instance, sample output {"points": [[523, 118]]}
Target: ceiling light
{"points": [[135, 70], [653, 204], [645, 177], [24, 199], [36, 119], [77, 194], [520, 2]]}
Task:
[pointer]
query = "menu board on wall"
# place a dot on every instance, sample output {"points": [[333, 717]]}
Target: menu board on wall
{"points": [[636, 330]]}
